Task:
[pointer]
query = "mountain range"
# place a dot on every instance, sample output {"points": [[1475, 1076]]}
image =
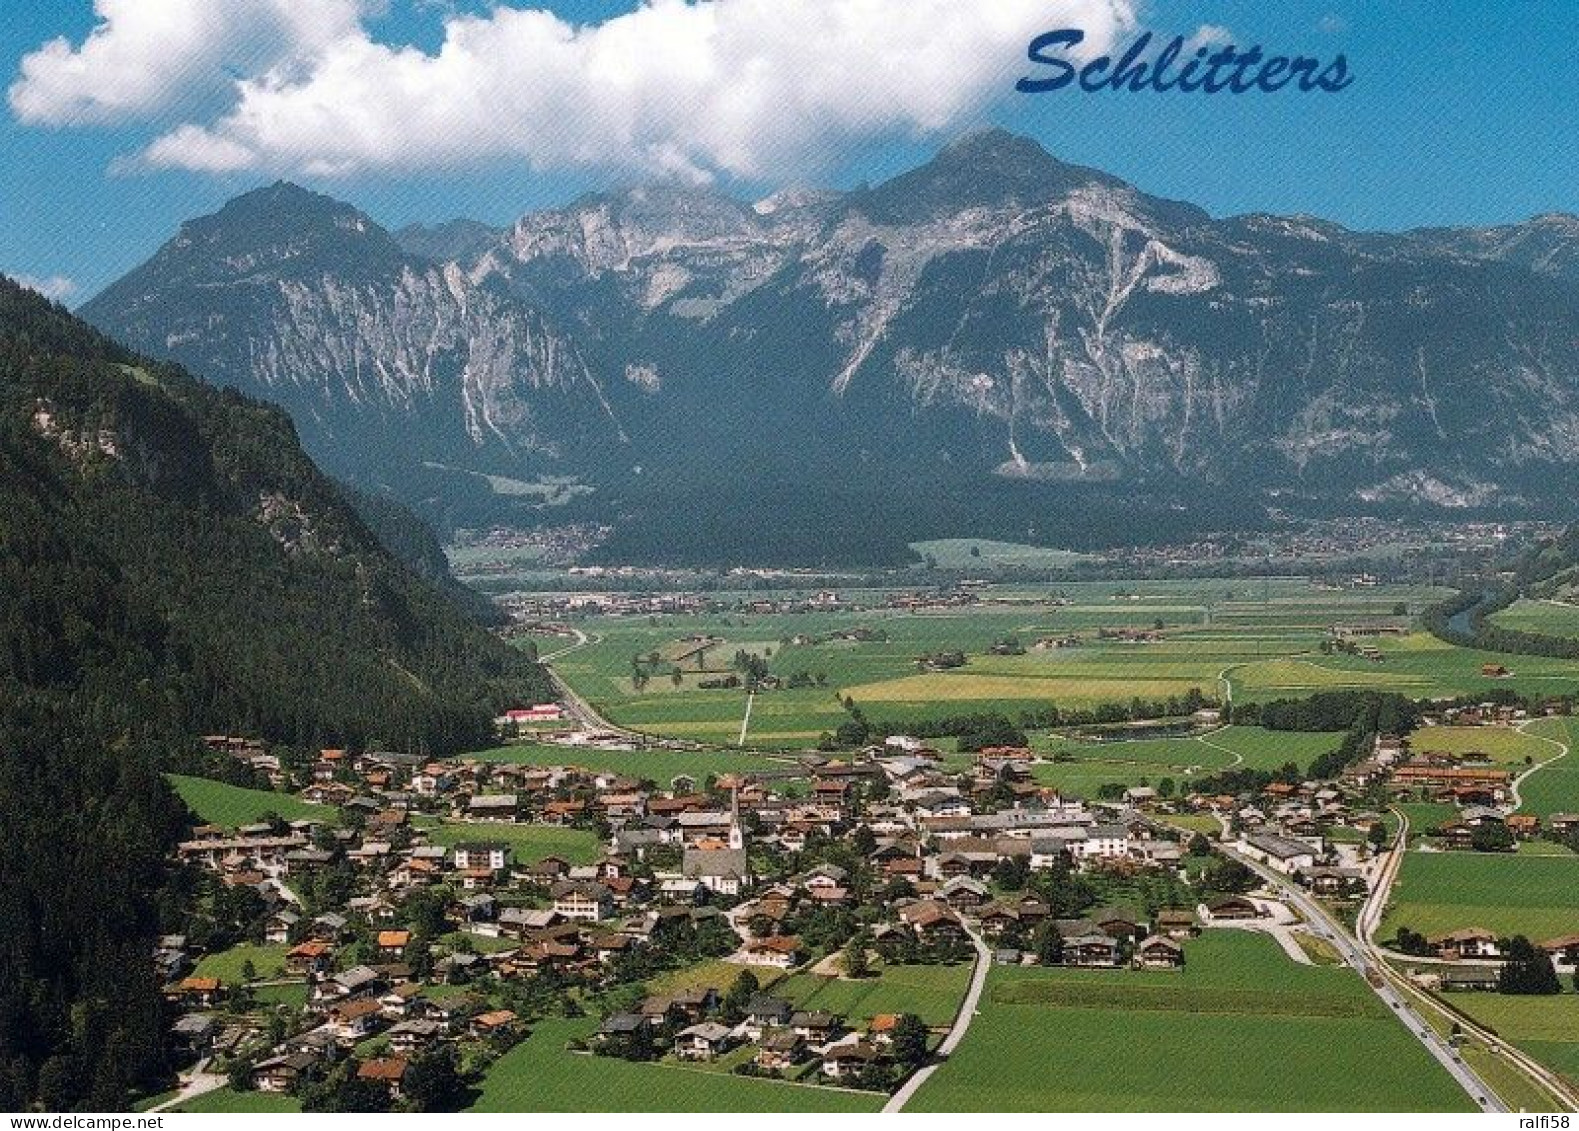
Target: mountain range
{"points": [[996, 343]]}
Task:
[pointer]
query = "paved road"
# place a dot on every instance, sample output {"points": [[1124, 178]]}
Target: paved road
{"points": [[956, 1033], [1562, 752], [1354, 956], [194, 1083], [1369, 920]]}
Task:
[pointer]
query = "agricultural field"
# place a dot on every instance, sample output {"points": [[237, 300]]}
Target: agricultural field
{"points": [[528, 843], [1506, 893], [1081, 768], [1545, 1027], [539, 1074], [227, 1101], [660, 766], [1555, 787], [268, 960], [1240, 1028], [1424, 815], [218, 803], [1502, 745], [1418, 665], [968, 553], [933, 993], [1546, 618], [1261, 639]]}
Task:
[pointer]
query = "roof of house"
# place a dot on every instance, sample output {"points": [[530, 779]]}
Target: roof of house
{"points": [[726, 863], [386, 1068]]}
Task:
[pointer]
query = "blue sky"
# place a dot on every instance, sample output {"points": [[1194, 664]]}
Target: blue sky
{"points": [[1461, 113]]}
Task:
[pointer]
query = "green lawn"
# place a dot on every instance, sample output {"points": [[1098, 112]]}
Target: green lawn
{"points": [[1545, 1027], [1425, 815], [268, 960], [1509, 894], [933, 993], [1500, 744], [226, 1101], [217, 803], [1263, 749], [660, 766], [974, 553], [1239, 1029], [1555, 787], [540, 1075], [1418, 665], [1211, 627], [529, 843], [1540, 617]]}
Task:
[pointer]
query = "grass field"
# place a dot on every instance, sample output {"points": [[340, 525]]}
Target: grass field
{"points": [[1417, 665], [1263, 637], [267, 959], [1083, 767], [226, 1101], [1239, 1029], [660, 766], [931, 992], [1503, 745], [1541, 617], [540, 1075], [528, 843], [1424, 815], [1545, 1027], [1442, 891], [217, 803], [968, 553], [1555, 787]]}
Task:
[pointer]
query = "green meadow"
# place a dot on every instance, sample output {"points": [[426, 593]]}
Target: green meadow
{"points": [[933, 993], [661, 766], [1081, 768], [1240, 1028], [268, 961], [1545, 1027], [1543, 617], [1263, 638], [227, 1101], [1506, 893], [218, 803], [1554, 788], [540, 1074], [528, 843]]}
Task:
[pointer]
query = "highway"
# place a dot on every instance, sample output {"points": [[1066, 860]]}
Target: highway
{"points": [[1353, 955], [1369, 920]]}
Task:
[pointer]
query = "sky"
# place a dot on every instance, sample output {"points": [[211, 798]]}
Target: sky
{"points": [[122, 118]]}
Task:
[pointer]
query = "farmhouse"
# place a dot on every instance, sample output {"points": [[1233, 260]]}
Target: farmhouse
{"points": [[1232, 907], [702, 1041], [1159, 953], [1470, 942], [1280, 853]]}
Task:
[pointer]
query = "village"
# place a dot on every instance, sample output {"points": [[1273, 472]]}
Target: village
{"points": [[419, 918]]}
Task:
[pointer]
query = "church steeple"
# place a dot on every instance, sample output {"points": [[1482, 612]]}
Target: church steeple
{"points": [[737, 835]]}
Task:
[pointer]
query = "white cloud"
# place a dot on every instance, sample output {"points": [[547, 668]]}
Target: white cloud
{"points": [[146, 57], [1209, 35], [57, 287], [742, 87], [1332, 24]]}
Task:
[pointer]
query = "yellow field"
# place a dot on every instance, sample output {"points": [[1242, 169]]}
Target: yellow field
{"points": [[1500, 744], [933, 687], [1311, 675]]}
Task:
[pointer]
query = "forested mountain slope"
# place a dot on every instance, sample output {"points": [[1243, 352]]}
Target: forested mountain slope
{"points": [[171, 564]]}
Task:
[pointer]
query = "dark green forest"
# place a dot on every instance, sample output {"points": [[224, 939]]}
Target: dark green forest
{"points": [[171, 564]]}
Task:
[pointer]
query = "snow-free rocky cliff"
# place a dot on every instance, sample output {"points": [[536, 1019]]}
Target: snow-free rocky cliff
{"points": [[996, 313]]}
